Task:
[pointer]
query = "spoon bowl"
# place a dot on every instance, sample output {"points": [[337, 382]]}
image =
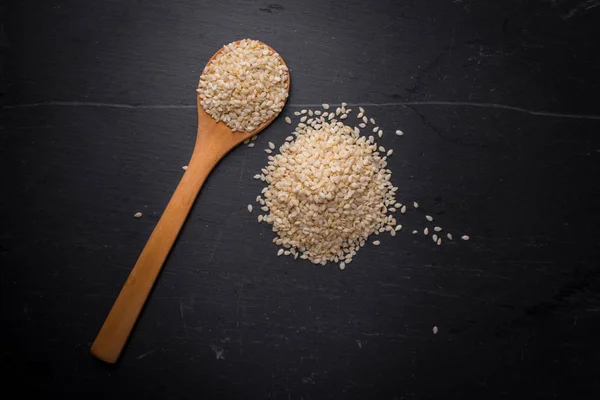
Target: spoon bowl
{"points": [[213, 141]]}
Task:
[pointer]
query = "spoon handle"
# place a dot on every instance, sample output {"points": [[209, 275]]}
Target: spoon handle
{"points": [[126, 309]]}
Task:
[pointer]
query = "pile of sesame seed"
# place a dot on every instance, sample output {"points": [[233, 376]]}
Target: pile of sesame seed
{"points": [[328, 190], [245, 85]]}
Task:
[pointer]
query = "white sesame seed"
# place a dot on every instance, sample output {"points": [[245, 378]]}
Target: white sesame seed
{"points": [[303, 119], [375, 129], [390, 152], [465, 237], [249, 207], [399, 132], [246, 141], [297, 113], [449, 236], [265, 208], [365, 120], [414, 232], [426, 231], [376, 243], [288, 120], [138, 215], [372, 120], [185, 167], [434, 237], [250, 144], [338, 111], [260, 218], [429, 218], [279, 252], [362, 125], [362, 110], [268, 151], [310, 113], [392, 232], [257, 176], [254, 137], [398, 227], [380, 134], [415, 204], [381, 149], [403, 209], [342, 265], [437, 229], [439, 241], [359, 115], [435, 330], [303, 112], [289, 138], [317, 112], [271, 146], [326, 106]]}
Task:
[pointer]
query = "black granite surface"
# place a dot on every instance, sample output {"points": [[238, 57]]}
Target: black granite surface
{"points": [[499, 104]]}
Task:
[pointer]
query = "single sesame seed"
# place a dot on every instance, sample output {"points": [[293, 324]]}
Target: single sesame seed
{"points": [[398, 227], [303, 119], [359, 115], [288, 120], [342, 265], [380, 134], [271, 146], [434, 237], [403, 209], [414, 232], [375, 129], [289, 138], [326, 106], [415, 204], [437, 229], [399, 132], [279, 252], [138, 215], [185, 167], [435, 330], [365, 120], [439, 241], [362, 125], [260, 218], [246, 141], [249, 207], [268, 151], [310, 113], [250, 144], [429, 218], [390, 152], [426, 231], [303, 112], [362, 110], [393, 232], [465, 237], [296, 113], [317, 112], [376, 243], [449, 236], [372, 120], [254, 138], [257, 176], [265, 208]]}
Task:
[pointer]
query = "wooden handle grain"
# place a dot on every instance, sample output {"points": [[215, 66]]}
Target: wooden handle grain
{"points": [[126, 309]]}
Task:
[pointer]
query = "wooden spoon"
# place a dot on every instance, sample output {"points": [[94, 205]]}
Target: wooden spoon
{"points": [[214, 140]]}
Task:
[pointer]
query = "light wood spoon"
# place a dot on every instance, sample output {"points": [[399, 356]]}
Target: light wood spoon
{"points": [[214, 140]]}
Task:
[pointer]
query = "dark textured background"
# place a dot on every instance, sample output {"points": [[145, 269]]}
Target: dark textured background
{"points": [[499, 102]]}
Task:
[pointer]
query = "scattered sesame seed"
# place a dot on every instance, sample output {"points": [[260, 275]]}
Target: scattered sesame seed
{"points": [[342, 265], [362, 110], [268, 151], [399, 132], [317, 112], [303, 112], [280, 252], [398, 227], [429, 218], [288, 120], [326, 106], [380, 134], [246, 141], [257, 176], [434, 237], [260, 218], [365, 120], [185, 167], [249, 207], [138, 215], [390, 152], [362, 125], [414, 232], [403, 209], [303, 119], [437, 229], [250, 144], [376, 243], [372, 120], [310, 113], [271, 146], [449, 236], [465, 237], [435, 330], [426, 231], [439, 241], [296, 113], [415, 204]]}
